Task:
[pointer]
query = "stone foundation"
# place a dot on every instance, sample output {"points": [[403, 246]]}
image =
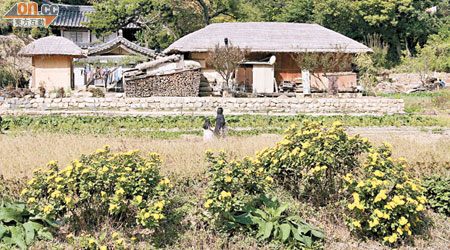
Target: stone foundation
{"points": [[369, 105]]}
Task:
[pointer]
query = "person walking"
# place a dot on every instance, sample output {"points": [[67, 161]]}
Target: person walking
{"points": [[220, 129]]}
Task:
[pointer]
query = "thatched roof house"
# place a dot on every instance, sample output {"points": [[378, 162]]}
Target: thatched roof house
{"points": [[267, 37], [52, 46], [52, 62], [265, 40]]}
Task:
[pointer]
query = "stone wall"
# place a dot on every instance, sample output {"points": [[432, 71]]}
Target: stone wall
{"points": [[370, 105]]}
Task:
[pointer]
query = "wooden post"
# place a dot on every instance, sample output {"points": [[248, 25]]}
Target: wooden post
{"points": [[306, 82]]}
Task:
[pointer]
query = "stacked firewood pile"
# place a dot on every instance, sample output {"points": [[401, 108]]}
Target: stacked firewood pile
{"points": [[166, 76], [181, 83]]}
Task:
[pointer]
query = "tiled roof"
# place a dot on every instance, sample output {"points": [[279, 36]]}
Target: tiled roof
{"points": [[75, 15], [116, 42]]}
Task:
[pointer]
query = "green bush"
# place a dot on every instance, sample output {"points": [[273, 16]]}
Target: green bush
{"points": [[437, 191], [96, 92], [20, 227], [315, 156], [387, 203], [233, 184], [118, 186], [272, 223]]}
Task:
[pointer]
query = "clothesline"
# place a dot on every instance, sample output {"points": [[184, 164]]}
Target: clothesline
{"points": [[109, 76]]}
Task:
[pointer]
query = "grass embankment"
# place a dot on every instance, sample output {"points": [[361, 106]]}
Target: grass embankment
{"points": [[172, 127], [425, 102]]}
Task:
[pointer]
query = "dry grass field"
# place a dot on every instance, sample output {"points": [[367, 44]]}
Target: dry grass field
{"points": [[21, 153]]}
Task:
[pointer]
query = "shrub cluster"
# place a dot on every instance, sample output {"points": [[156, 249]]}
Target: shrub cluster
{"points": [[437, 191], [118, 186], [387, 203], [233, 184], [315, 156]]}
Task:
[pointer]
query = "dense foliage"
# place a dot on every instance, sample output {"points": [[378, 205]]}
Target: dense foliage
{"points": [[387, 204], [233, 184], [20, 227], [101, 184], [401, 24], [272, 222], [312, 158], [437, 191]]}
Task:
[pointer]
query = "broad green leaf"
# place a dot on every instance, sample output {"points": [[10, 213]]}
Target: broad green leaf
{"points": [[261, 213], [307, 241], [3, 230], [267, 230], [281, 209], [303, 229], [296, 234], [29, 232], [17, 236], [285, 231], [8, 214], [245, 219], [317, 234], [45, 235]]}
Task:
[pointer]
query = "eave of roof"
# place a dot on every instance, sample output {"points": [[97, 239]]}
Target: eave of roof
{"points": [[105, 47]]}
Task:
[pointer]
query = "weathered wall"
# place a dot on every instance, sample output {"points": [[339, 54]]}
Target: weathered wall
{"points": [[185, 83], [52, 72], [372, 105]]}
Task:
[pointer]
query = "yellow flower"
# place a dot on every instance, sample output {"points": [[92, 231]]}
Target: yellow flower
{"points": [[381, 195], [403, 221], [393, 238], [356, 223], [336, 124], [419, 208], [400, 231], [120, 191], [374, 222], [67, 199], [115, 235], [269, 179], [422, 199], [224, 195], [24, 192], [399, 186], [228, 179], [48, 209], [120, 241], [139, 199], [387, 145], [208, 203], [31, 200], [378, 213], [378, 173], [51, 163], [91, 241], [103, 248], [69, 236]]}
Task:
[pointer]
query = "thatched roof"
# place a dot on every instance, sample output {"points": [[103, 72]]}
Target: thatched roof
{"points": [[52, 46], [267, 37]]}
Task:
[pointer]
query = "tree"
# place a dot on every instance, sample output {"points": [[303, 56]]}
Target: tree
{"points": [[215, 8], [10, 63], [401, 23], [226, 60], [323, 63]]}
